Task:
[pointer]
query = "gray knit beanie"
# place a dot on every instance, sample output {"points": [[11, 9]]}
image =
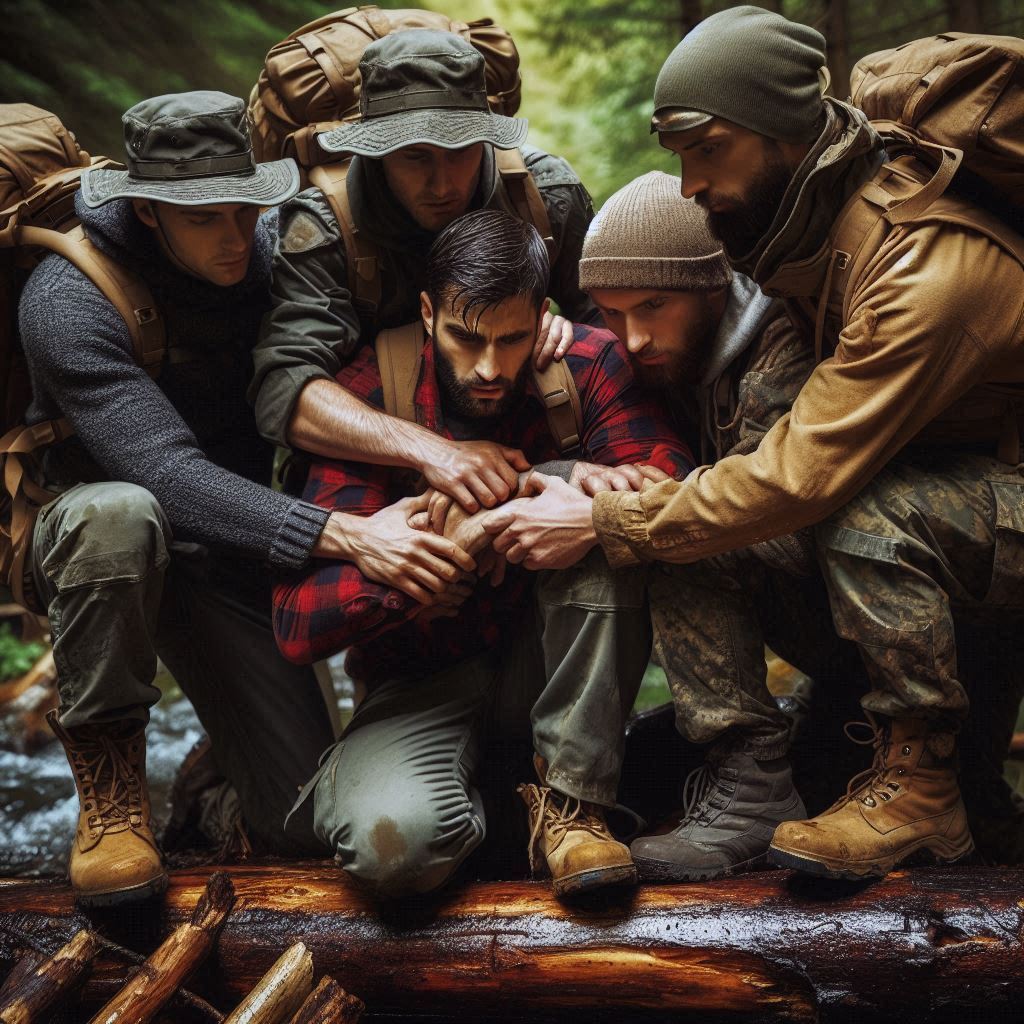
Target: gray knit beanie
{"points": [[648, 236], [749, 66]]}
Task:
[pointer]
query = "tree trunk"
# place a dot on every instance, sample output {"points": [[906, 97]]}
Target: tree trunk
{"points": [[942, 944]]}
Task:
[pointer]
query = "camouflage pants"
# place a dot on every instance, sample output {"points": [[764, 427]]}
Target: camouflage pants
{"points": [[711, 622], [934, 541]]}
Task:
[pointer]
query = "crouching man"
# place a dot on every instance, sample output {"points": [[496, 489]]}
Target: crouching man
{"points": [[158, 541], [396, 798]]}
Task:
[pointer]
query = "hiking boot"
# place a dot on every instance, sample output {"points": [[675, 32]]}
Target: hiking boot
{"points": [[908, 802], [114, 858], [573, 836], [731, 806], [205, 810]]}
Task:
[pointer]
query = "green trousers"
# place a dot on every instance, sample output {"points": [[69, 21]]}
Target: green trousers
{"points": [[396, 798], [120, 592]]}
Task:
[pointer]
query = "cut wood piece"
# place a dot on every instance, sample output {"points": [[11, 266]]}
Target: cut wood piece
{"points": [[937, 944], [21, 970], [152, 987], [280, 992], [329, 1004], [40, 991]]}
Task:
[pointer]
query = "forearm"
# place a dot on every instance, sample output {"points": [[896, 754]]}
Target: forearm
{"points": [[332, 422]]}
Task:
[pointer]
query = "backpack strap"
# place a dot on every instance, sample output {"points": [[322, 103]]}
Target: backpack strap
{"points": [[361, 254], [524, 195], [122, 289], [557, 388], [895, 195], [399, 356]]}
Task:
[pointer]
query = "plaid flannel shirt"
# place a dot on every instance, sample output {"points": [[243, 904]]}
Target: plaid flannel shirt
{"points": [[332, 605]]}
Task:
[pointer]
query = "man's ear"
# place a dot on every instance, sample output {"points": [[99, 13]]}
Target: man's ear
{"points": [[544, 307], [427, 313], [144, 211]]}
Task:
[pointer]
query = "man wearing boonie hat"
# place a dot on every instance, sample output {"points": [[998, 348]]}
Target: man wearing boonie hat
{"points": [[423, 154], [725, 356], [159, 540], [902, 449]]}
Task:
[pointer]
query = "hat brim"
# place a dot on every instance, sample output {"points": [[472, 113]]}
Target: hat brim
{"points": [[675, 120], [271, 184], [449, 129]]}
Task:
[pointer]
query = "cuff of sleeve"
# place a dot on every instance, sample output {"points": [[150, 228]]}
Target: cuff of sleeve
{"points": [[562, 468], [621, 527], [278, 396], [298, 534]]}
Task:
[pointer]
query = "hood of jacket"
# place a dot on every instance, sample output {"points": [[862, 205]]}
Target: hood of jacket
{"points": [[791, 258]]}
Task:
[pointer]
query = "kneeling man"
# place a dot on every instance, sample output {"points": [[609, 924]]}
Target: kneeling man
{"points": [[396, 797]]}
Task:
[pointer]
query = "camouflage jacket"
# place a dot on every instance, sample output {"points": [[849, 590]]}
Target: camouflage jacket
{"points": [[313, 329]]}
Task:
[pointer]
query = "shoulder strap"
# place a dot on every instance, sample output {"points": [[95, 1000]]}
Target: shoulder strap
{"points": [[524, 195], [557, 388], [125, 292], [399, 354], [361, 254], [891, 197]]}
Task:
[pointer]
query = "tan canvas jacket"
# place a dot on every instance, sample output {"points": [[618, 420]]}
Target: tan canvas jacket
{"points": [[934, 325]]}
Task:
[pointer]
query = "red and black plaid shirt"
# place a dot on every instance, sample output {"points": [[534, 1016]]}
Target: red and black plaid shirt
{"points": [[333, 606]]}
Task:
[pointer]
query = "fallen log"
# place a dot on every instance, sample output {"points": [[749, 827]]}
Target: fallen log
{"points": [[280, 992], [943, 944], [329, 1004], [36, 994], [145, 995]]}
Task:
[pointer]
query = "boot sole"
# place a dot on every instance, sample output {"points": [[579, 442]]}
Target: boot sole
{"points": [[115, 897], [857, 871], [665, 871], [597, 878]]}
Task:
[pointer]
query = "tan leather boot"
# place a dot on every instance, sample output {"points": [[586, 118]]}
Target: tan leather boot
{"points": [[114, 858], [573, 837], [907, 803]]}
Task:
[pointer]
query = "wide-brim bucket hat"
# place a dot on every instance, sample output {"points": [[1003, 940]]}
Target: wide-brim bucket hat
{"points": [[422, 86], [191, 149]]}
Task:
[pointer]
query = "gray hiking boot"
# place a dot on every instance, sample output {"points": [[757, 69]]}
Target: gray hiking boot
{"points": [[731, 806]]}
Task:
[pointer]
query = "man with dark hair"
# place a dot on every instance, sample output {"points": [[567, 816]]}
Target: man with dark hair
{"points": [[424, 152], [890, 448], [396, 799]]}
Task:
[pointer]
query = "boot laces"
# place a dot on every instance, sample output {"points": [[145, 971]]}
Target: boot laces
{"points": [[872, 784], [556, 815], [704, 791], [112, 782]]}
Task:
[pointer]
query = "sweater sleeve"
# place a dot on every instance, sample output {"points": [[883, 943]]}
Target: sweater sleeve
{"points": [[923, 330], [79, 351]]}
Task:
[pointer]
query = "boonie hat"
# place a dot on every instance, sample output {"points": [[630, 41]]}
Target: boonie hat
{"points": [[422, 86], [191, 149]]}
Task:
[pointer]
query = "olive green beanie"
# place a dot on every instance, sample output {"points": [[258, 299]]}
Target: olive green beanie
{"points": [[648, 236], [749, 66]]}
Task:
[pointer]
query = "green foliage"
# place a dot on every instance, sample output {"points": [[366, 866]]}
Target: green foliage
{"points": [[16, 656]]}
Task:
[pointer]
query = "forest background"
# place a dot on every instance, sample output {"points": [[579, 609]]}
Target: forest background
{"points": [[588, 66]]}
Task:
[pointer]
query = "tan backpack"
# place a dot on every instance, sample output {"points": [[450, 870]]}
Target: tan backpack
{"points": [[400, 353], [310, 83], [951, 111], [40, 170]]}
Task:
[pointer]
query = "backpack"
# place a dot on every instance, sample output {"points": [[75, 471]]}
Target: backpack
{"points": [[399, 354], [41, 166], [950, 109], [310, 82]]}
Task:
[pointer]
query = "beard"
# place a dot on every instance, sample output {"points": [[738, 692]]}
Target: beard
{"points": [[457, 397], [684, 365], [747, 219]]}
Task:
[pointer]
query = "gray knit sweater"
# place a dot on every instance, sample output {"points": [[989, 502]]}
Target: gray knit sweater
{"points": [[189, 437]]}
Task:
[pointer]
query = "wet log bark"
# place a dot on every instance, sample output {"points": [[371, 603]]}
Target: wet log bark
{"points": [[329, 1004], [942, 944], [145, 995], [41, 989]]}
